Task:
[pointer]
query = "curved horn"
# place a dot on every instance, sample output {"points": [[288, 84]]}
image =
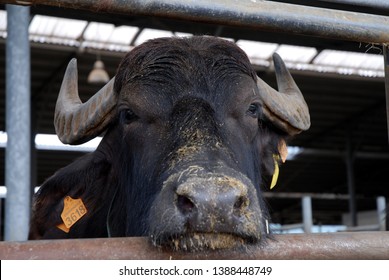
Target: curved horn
{"points": [[286, 108], [76, 122]]}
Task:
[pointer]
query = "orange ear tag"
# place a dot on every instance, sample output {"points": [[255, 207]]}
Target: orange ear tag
{"points": [[63, 228], [73, 210]]}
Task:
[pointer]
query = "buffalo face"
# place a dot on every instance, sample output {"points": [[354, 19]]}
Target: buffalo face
{"points": [[191, 132], [208, 197]]}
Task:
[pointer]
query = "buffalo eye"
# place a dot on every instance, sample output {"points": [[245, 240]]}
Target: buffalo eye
{"points": [[253, 110], [126, 116]]}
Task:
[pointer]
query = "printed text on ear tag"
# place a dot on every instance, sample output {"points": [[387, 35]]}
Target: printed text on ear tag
{"points": [[73, 210]]}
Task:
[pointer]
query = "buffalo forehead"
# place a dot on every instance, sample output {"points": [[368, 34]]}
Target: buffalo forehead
{"points": [[233, 94]]}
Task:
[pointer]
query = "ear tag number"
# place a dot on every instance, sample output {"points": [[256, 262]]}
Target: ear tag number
{"points": [[73, 210]]}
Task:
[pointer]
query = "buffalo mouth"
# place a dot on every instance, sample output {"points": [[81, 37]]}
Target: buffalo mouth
{"points": [[201, 241]]}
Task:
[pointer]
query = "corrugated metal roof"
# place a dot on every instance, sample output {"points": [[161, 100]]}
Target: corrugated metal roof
{"points": [[149, 33], [107, 36], [259, 52], [44, 29], [297, 54], [349, 63]]}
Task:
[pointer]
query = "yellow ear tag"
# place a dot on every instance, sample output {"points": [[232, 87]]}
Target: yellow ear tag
{"points": [[276, 172], [73, 210]]}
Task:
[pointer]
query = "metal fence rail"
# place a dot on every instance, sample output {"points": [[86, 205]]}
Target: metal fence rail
{"points": [[265, 15], [362, 245]]}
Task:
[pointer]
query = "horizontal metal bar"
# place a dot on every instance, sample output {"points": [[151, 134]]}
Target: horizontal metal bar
{"points": [[280, 195], [290, 227], [289, 195], [361, 245], [339, 153], [265, 15], [377, 4], [364, 228], [299, 195]]}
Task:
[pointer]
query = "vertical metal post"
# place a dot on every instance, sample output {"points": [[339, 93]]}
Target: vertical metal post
{"points": [[351, 181], [17, 208], [381, 212], [307, 214], [387, 217], [386, 67], [1, 220]]}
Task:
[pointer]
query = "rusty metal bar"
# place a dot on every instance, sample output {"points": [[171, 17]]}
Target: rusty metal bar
{"points": [[265, 15], [361, 245]]}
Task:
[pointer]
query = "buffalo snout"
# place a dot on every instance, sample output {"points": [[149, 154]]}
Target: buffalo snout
{"points": [[206, 210], [214, 203]]}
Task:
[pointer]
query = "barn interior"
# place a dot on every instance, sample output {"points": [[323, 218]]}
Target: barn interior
{"points": [[340, 163]]}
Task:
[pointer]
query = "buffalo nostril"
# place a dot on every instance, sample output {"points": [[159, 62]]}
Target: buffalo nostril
{"points": [[240, 203], [184, 204]]}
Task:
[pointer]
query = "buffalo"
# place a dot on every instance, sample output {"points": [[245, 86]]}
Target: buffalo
{"points": [[191, 136]]}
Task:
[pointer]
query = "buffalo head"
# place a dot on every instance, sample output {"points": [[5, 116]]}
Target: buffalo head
{"points": [[190, 134]]}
